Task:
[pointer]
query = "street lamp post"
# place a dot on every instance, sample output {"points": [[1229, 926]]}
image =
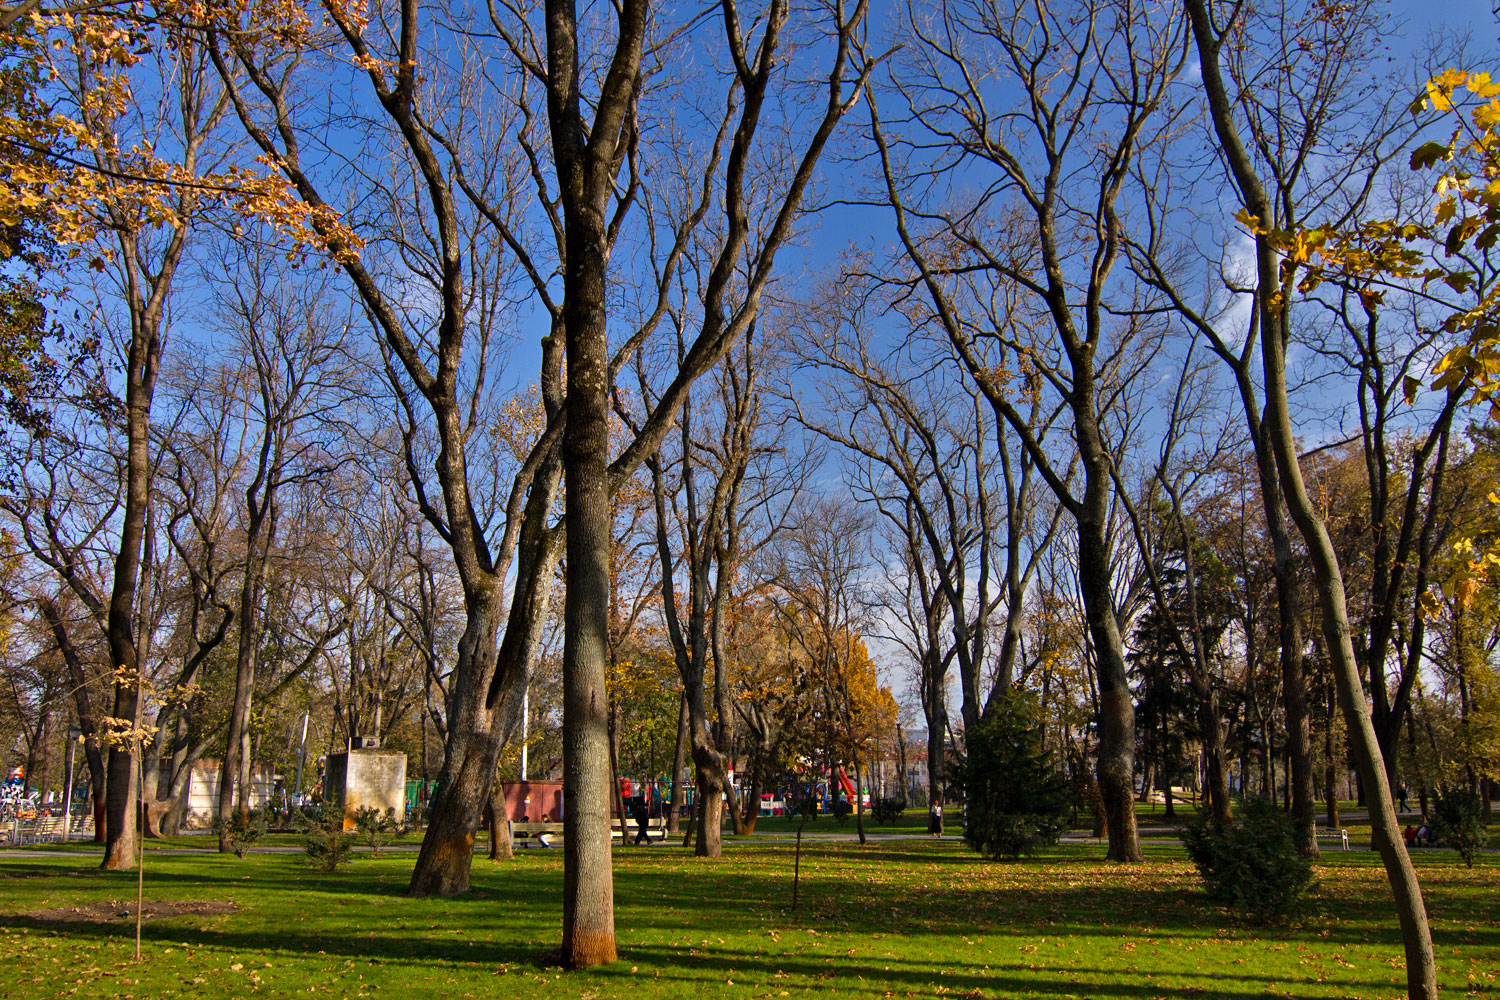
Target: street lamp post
{"points": [[74, 735], [525, 722], [302, 755]]}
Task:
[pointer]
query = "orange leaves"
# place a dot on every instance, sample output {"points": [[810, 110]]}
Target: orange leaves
{"points": [[82, 165]]}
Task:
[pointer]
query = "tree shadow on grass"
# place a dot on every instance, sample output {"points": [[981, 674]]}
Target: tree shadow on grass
{"points": [[855, 891], [1002, 979], [514, 912]]}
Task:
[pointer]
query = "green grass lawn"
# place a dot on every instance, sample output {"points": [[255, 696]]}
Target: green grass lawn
{"points": [[896, 919]]}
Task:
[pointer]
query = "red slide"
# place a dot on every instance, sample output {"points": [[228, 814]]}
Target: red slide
{"points": [[846, 785]]}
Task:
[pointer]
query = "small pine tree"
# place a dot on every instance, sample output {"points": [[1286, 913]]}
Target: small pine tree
{"points": [[329, 846], [1017, 798], [378, 827], [1458, 821], [243, 828], [1255, 866]]}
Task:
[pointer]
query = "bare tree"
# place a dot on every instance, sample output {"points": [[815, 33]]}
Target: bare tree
{"points": [[1021, 278], [959, 497]]}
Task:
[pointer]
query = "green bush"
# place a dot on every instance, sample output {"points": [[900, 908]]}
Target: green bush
{"points": [[242, 828], [329, 846], [1252, 867], [1458, 821], [886, 811], [378, 827], [1017, 799]]}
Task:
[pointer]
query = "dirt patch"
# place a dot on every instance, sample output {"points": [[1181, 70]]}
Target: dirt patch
{"points": [[116, 912], [48, 873]]}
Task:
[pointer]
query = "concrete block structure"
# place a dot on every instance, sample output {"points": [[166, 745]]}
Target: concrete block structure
{"points": [[366, 778]]}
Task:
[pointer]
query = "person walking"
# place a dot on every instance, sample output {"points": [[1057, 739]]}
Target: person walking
{"points": [[641, 815]]}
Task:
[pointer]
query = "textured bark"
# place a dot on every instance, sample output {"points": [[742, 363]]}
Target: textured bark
{"points": [[586, 166], [1116, 765], [121, 786], [710, 812]]}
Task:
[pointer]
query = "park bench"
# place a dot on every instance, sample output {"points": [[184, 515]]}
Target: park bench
{"points": [[538, 834], [1329, 833], [656, 829]]}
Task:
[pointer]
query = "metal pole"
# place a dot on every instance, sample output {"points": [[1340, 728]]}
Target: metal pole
{"points": [[67, 825], [302, 757], [525, 721]]}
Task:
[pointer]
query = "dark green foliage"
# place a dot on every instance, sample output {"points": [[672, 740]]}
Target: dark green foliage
{"points": [[841, 808], [886, 811], [243, 829], [1197, 595], [329, 846], [377, 827], [1017, 797], [1253, 866], [1458, 822]]}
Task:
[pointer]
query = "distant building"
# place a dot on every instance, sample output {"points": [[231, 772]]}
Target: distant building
{"points": [[203, 792]]}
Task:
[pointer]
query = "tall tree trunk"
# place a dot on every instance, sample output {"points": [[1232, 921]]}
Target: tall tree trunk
{"points": [[1289, 635], [588, 886], [1270, 297], [120, 788]]}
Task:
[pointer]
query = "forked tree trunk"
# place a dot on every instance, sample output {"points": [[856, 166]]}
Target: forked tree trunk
{"points": [[468, 771]]}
